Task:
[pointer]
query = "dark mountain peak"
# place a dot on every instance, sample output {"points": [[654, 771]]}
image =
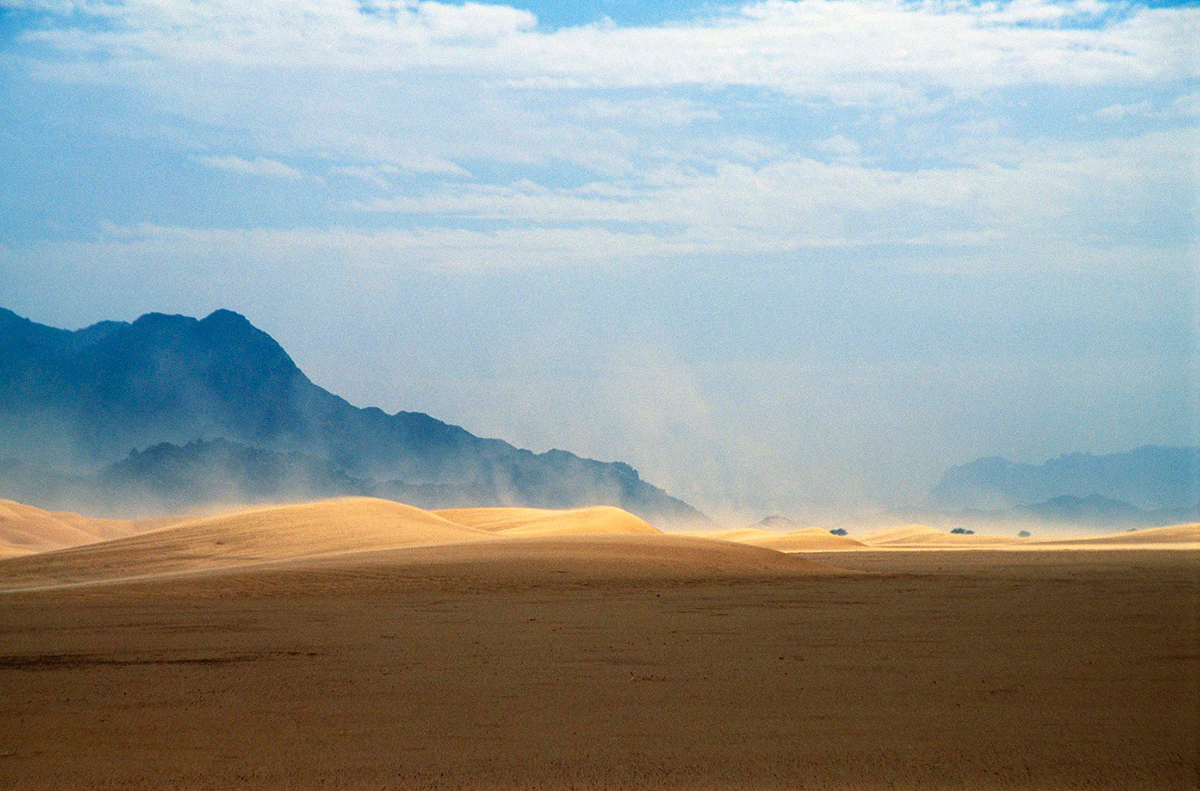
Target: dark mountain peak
{"points": [[222, 337], [159, 321], [227, 316], [97, 332]]}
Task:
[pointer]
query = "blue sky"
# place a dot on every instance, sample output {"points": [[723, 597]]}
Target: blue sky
{"points": [[781, 256]]}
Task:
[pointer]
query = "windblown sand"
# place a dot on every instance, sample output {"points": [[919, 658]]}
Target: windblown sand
{"points": [[537, 521], [25, 529], [362, 644]]}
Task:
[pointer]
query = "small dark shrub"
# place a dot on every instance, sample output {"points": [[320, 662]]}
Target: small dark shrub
{"points": [[838, 531], [1023, 534], [962, 531]]}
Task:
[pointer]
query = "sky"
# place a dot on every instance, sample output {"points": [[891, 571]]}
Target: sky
{"points": [[790, 257]]}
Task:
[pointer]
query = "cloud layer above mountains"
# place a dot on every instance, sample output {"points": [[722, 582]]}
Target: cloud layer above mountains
{"points": [[859, 181]]}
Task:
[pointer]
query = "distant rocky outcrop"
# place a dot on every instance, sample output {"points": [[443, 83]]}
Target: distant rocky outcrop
{"points": [[219, 400]]}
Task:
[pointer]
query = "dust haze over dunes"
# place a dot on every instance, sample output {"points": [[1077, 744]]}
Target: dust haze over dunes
{"points": [[43, 549], [25, 529], [539, 521], [600, 542]]}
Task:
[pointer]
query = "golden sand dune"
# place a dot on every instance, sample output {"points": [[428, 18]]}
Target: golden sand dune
{"points": [[1186, 534], [504, 563], [254, 536], [25, 529], [925, 536], [359, 541], [810, 538], [597, 520], [736, 534]]}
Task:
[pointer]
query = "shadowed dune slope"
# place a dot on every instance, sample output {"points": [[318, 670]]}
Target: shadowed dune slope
{"points": [[598, 520], [925, 536], [1174, 534], [254, 536], [811, 538], [25, 529]]}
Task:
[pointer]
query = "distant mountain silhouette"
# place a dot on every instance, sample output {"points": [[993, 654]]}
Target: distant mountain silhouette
{"points": [[1148, 478], [1091, 510], [1065, 511], [78, 402]]}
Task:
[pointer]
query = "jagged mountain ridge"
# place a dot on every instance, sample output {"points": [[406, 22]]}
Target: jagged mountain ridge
{"points": [[80, 401]]}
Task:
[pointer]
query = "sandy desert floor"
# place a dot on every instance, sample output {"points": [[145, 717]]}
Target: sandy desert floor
{"points": [[623, 661]]}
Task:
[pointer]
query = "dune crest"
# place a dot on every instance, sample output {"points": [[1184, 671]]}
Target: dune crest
{"points": [[736, 534], [27, 529], [596, 520], [360, 541], [258, 535], [808, 539]]}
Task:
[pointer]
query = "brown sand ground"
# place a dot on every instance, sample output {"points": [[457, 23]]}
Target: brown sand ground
{"points": [[582, 662]]}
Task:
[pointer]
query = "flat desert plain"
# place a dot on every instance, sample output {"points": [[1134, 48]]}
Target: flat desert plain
{"points": [[366, 644]]}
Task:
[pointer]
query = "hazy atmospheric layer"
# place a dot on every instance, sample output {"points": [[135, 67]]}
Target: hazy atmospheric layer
{"points": [[772, 254]]}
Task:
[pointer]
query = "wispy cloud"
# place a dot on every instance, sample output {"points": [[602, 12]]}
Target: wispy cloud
{"points": [[259, 166], [876, 50]]}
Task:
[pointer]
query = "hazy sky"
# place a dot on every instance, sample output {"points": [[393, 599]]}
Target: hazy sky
{"points": [[775, 255]]}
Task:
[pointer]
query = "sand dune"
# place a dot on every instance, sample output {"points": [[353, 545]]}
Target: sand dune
{"points": [[808, 539], [25, 529], [254, 536], [597, 520], [585, 561], [360, 541], [736, 534], [1186, 534], [925, 536]]}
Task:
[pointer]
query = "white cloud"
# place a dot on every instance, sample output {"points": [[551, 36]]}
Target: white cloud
{"points": [[384, 174], [1119, 112], [864, 51], [386, 91], [1015, 190], [269, 168]]}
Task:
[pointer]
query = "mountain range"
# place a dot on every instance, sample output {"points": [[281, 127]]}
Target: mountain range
{"points": [[1147, 486], [184, 412], [1150, 477]]}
